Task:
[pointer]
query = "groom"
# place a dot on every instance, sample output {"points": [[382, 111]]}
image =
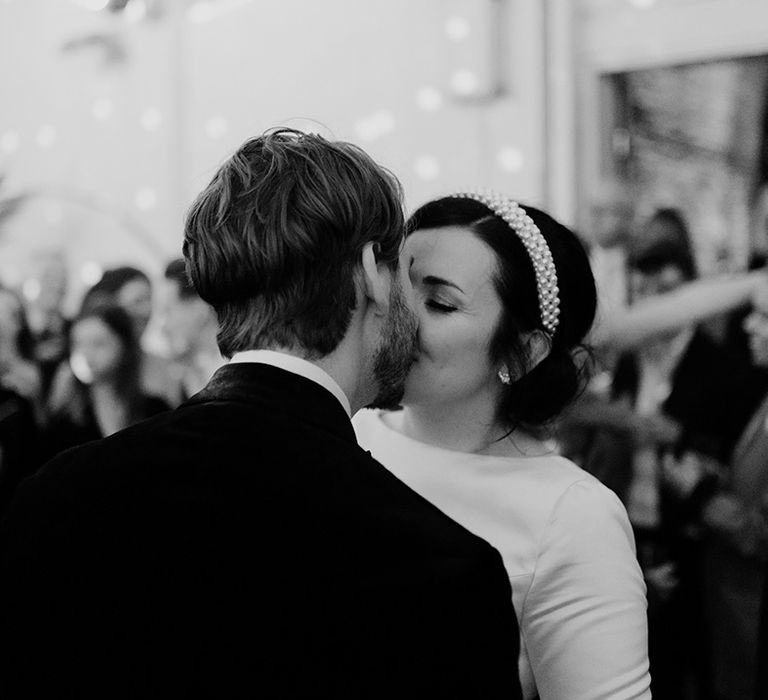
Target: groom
{"points": [[243, 545]]}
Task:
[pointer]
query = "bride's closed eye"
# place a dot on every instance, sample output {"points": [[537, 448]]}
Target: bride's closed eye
{"points": [[438, 294], [439, 306]]}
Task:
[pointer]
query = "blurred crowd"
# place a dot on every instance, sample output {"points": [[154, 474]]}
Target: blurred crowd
{"points": [[68, 379], [675, 420]]}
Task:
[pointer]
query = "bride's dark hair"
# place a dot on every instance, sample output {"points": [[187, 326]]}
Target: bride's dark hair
{"points": [[535, 397]]}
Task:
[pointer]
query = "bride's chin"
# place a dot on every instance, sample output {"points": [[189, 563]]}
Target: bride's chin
{"points": [[413, 396], [419, 386], [408, 396]]}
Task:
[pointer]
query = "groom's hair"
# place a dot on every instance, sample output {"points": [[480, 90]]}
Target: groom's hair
{"points": [[273, 243]]}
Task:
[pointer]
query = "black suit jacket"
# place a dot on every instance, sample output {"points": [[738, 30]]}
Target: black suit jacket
{"points": [[243, 545]]}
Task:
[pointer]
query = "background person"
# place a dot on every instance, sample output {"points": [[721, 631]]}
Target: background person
{"points": [[678, 396], [104, 392], [20, 398], [189, 326], [130, 288], [44, 293], [734, 522], [18, 370]]}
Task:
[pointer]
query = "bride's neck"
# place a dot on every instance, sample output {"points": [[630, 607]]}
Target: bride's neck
{"points": [[469, 429], [462, 428]]}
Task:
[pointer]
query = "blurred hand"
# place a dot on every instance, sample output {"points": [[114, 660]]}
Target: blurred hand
{"points": [[24, 379], [655, 429], [723, 513], [683, 475], [662, 579]]}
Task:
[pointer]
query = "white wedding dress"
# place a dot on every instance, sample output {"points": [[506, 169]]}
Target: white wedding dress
{"points": [[567, 546]]}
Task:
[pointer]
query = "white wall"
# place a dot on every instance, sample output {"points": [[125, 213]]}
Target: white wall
{"points": [[71, 134], [134, 141], [613, 36]]}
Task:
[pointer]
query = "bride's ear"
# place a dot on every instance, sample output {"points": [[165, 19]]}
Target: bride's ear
{"points": [[376, 279], [538, 345]]}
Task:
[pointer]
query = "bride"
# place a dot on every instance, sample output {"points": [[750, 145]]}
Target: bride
{"points": [[505, 297]]}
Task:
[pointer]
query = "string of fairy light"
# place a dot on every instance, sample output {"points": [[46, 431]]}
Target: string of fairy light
{"points": [[462, 32]]}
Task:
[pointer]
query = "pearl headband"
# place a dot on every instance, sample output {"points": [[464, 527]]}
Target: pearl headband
{"points": [[538, 250]]}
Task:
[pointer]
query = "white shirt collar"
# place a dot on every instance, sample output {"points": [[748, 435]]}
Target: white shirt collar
{"points": [[296, 365]]}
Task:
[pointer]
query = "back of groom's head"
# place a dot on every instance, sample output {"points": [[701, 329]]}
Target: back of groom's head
{"points": [[273, 241]]}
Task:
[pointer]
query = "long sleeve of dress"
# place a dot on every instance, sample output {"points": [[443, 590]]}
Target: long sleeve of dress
{"points": [[584, 621]]}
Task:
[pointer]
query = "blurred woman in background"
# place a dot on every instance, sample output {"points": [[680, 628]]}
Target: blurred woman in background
{"points": [[131, 289], [18, 370], [20, 388], [104, 392]]}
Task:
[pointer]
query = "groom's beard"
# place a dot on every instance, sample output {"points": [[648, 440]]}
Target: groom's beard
{"points": [[397, 351]]}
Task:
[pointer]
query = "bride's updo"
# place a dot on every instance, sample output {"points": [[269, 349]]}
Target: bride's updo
{"points": [[532, 398]]}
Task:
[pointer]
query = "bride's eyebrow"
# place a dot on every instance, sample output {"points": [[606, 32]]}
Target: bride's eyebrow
{"points": [[433, 281]]}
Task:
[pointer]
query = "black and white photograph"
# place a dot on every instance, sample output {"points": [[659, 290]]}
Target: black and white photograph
{"points": [[382, 349]]}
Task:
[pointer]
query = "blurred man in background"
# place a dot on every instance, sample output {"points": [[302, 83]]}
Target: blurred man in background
{"points": [[734, 519], [189, 326], [45, 290]]}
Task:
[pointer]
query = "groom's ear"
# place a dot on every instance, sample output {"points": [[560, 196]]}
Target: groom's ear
{"points": [[376, 279]]}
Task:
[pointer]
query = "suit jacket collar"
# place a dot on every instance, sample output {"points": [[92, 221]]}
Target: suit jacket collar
{"points": [[266, 386], [297, 365]]}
